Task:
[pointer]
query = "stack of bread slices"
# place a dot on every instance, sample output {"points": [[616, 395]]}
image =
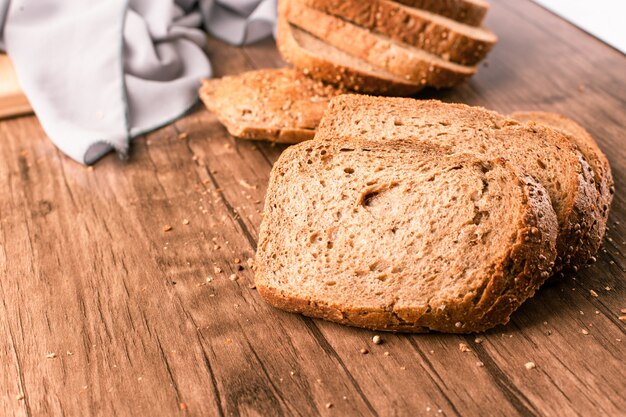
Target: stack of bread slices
{"points": [[413, 215], [379, 47]]}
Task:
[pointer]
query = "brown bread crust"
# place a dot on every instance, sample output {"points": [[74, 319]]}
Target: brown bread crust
{"points": [[437, 35], [404, 61], [279, 105], [513, 278], [364, 79], [601, 172], [470, 12]]}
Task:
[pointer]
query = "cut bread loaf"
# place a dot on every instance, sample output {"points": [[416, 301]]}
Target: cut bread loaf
{"points": [[602, 177], [279, 105], [405, 61], [322, 61], [540, 151], [470, 12], [399, 235], [446, 38]]}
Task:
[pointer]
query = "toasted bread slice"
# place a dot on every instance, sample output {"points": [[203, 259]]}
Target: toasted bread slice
{"points": [[279, 105], [398, 235], [407, 62], [446, 38], [542, 152]]}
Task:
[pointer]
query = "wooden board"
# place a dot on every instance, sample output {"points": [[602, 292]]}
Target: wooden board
{"points": [[13, 102], [105, 314]]}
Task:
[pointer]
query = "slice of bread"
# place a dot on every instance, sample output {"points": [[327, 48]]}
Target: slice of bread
{"points": [[398, 235], [446, 38], [603, 179], [540, 151], [320, 60], [405, 61], [470, 12], [279, 105]]}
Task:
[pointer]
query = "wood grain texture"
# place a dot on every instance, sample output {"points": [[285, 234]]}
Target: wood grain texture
{"points": [[105, 314]]}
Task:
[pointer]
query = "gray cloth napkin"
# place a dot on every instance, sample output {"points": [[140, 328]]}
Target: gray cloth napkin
{"points": [[98, 73]]}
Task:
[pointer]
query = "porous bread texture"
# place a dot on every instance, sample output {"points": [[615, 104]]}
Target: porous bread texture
{"points": [[279, 105], [405, 61], [400, 236], [540, 151], [470, 12], [602, 176], [320, 60], [443, 37]]}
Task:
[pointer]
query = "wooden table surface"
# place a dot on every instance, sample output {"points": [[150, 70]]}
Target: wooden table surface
{"points": [[103, 313]]}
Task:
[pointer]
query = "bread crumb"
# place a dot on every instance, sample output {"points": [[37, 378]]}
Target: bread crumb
{"points": [[593, 293], [464, 348], [364, 351], [19, 396], [329, 405], [183, 135], [233, 277], [183, 406], [386, 353], [478, 340], [217, 269], [458, 324], [68, 353], [530, 365], [167, 228], [377, 340], [185, 222], [237, 261], [607, 288], [623, 310], [480, 364], [51, 355], [585, 331], [250, 263], [622, 318], [403, 368]]}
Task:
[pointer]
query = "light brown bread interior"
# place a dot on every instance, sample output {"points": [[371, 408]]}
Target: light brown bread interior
{"points": [[279, 105], [542, 152], [399, 235], [320, 60]]}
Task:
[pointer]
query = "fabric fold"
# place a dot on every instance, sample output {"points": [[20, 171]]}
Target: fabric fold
{"points": [[100, 73]]}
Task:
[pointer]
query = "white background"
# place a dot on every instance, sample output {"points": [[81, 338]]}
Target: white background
{"points": [[605, 19]]}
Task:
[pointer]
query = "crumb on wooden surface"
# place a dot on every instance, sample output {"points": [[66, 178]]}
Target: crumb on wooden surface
{"points": [[464, 348], [167, 227], [530, 365]]}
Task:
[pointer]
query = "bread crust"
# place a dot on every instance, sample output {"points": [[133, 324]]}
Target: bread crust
{"points": [[279, 105], [404, 61], [470, 12], [514, 277], [602, 178], [343, 76], [446, 38]]}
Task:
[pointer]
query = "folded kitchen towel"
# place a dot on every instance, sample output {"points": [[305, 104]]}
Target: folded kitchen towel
{"points": [[98, 73]]}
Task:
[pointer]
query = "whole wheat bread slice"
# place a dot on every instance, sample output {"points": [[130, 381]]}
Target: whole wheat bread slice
{"points": [[320, 60], [279, 105], [400, 236], [540, 151], [603, 179], [470, 12], [405, 61], [446, 38]]}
